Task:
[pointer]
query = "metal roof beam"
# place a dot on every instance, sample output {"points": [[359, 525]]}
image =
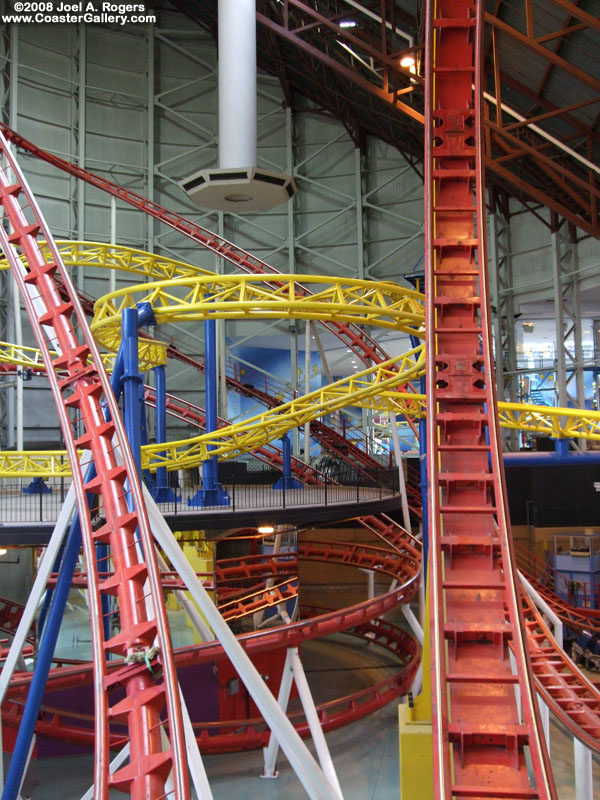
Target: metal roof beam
{"points": [[542, 51]]}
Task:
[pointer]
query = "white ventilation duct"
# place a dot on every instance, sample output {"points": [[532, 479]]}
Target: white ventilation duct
{"points": [[238, 184], [237, 83]]}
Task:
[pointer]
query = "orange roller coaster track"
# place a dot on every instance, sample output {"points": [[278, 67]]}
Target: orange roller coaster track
{"points": [[481, 743]]}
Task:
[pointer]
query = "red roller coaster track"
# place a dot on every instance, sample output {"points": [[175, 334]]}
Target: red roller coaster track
{"points": [[572, 697], [480, 741], [62, 326], [368, 350], [472, 567]]}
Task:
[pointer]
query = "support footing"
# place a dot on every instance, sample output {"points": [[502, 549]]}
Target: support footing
{"points": [[217, 496], [37, 486], [164, 494], [287, 482]]}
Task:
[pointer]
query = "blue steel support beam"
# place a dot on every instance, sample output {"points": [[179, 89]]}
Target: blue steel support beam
{"points": [[18, 762], [131, 384], [287, 480], [56, 600], [160, 489], [212, 493], [415, 342]]}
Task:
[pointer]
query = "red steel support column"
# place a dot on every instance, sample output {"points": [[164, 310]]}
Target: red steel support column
{"points": [[480, 739]]}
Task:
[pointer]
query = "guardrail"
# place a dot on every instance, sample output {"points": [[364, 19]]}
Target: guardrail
{"points": [[253, 490]]}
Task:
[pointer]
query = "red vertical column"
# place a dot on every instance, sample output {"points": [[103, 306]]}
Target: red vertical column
{"points": [[481, 738]]}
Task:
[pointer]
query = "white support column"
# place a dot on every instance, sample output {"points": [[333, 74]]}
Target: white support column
{"points": [[257, 617], [81, 127], [112, 273], [150, 106], [25, 770], [294, 381], [14, 657], [500, 264], [545, 715], [291, 243], [190, 609], [220, 325], [513, 669], [335, 417], [401, 481], [360, 221], [18, 340], [416, 628], [283, 698], [314, 723], [544, 607], [194, 759], [117, 761], [414, 623], [308, 771], [584, 785], [370, 582], [16, 439], [38, 588]]}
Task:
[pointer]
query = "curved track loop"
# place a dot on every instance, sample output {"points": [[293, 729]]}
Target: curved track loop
{"points": [[249, 297], [405, 559], [236, 735], [402, 563], [255, 431], [481, 746], [62, 326], [573, 698], [366, 348]]}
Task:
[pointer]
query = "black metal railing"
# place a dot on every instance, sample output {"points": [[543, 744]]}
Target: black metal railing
{"points": [[251, 490]]}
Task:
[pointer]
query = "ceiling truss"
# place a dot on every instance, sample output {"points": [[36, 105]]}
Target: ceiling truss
{"points": [[345, 56]]}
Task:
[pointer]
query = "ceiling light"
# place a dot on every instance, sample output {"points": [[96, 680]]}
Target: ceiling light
{"points": [[348, 23], [266, 529], [408, 62]]}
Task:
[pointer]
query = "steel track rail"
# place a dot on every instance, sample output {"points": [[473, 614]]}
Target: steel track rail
{"points": [[407, 550], [366, 348], [481, 742], [236, 735], [572, 697], [63, 326]]}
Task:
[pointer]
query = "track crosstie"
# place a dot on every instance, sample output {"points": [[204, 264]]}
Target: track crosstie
{"points": [[81, 394], [480, 739]]}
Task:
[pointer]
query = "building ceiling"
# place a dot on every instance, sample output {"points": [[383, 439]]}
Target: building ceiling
{"points": [[542, 84]]}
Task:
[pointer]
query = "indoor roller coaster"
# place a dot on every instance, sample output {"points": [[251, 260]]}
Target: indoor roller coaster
{"points": [[487, 640]]}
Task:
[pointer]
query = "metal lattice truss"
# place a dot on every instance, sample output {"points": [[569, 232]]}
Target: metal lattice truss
{"points": [[541, 142], [545, 420], [235, 440], [385, 305]]}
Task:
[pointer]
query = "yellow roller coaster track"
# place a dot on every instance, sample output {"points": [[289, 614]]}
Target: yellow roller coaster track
{"points": [[190, 293]]}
